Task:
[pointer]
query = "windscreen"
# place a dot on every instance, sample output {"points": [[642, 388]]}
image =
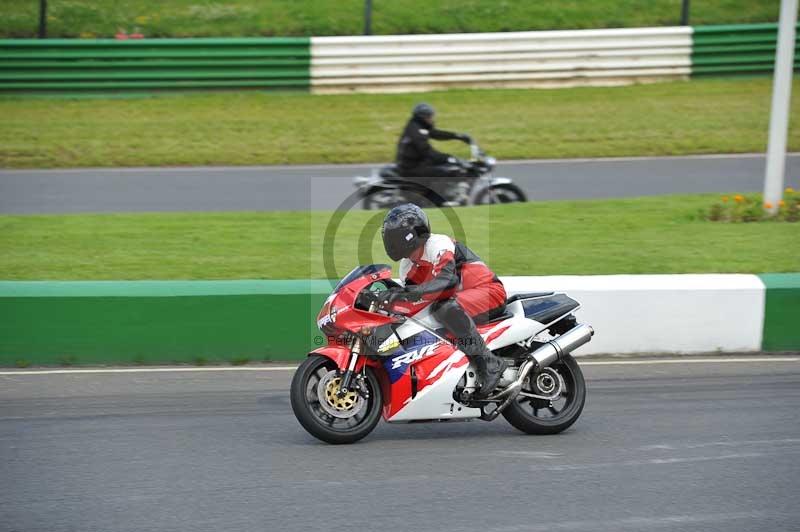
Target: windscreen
{"points": [[360, 271]]}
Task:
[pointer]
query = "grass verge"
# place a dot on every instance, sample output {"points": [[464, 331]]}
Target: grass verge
{"points": [[284, 128], [229, 18], [642, 235]]}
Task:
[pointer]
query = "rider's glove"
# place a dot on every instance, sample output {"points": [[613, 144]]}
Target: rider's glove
{"points": [[412, 293], [463, 137], [401, 293]]}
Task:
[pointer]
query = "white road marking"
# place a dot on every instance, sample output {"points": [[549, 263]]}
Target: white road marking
{"points": [[643, 523], [657, 461], [544, 455], [640, 158], [676, 446], [323, 166], [144, 370], [765, 360], [78, 371]]}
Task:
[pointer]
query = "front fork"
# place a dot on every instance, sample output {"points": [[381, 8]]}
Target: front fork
{"points": [[349, 374], [355, 351]]}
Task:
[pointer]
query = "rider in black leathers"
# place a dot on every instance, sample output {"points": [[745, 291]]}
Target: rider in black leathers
{"points": [[417, 159]]}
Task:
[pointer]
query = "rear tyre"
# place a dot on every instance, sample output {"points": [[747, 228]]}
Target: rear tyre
{"points": [[539, 416], [326, 416], [505, 193]]}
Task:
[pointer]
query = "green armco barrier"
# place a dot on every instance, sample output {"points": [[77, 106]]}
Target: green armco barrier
{"points": [[158, 322], [32, 66], [738, 49], [108, 67], [782, 312]]}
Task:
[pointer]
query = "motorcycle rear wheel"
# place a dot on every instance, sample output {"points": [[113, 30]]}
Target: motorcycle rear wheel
{"points": [[317, 420], [537, 416]]}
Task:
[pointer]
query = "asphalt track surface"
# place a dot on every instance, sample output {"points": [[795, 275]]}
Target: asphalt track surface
{"points": [[274, 188], [709, 446]]}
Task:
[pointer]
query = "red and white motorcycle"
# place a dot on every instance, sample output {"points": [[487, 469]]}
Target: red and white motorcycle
{"points": [[396, 359]]}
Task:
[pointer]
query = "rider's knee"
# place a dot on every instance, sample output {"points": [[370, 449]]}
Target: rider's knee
{"points": [[447, 310]]}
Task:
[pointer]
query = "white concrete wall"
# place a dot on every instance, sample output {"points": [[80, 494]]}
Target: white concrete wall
{"points": [[514, 59], [661, 313]]}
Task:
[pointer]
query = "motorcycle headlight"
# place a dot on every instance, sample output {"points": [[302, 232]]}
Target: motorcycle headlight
{"points": [[332, 314]]}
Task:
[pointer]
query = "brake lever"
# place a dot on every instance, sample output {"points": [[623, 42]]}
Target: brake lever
{"points": [[383, 306]]}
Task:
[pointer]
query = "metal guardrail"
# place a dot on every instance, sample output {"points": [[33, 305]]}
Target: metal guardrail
{"points": [[108, 65], [387, 63], [740, 49], [514, 59]]}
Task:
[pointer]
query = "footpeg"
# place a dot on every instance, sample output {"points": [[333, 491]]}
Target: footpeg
{"points": [[508, 394]]}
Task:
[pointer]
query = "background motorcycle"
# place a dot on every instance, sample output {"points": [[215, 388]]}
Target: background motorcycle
{"points": [[386, 188], [397, 360]]}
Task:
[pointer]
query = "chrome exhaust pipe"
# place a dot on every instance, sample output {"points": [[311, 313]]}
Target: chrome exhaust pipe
{"points": [[544, 356], [564, 344]]}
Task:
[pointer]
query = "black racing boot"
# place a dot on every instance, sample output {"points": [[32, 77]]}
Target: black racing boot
{"points": [[490, 369], [488, 366]]}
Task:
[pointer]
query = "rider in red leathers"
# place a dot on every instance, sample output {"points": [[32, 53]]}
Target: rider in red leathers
{"points": [[437, 268]]}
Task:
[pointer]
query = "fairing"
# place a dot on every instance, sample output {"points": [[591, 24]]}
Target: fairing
{"points": [[341, 355], [421, 380], [346, 317]]}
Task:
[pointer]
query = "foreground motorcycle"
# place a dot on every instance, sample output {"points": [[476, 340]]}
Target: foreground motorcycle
{"points": [[395, 359], [386, 188]]}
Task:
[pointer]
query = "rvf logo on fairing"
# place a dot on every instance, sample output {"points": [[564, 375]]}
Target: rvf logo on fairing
{"points": [[413, 356]]}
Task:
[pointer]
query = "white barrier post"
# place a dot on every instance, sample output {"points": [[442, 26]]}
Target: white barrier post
{"points": [[781, 95]]}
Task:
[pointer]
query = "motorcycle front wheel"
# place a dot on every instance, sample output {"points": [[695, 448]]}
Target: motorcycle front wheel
{"points": [[540, 416], [323, 412], [505, 193]]}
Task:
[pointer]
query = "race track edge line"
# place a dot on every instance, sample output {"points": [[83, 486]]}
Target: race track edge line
{"points": [[763, 360]]}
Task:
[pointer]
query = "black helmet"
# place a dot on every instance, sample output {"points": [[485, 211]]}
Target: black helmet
{"points": [[424, 111], [404, 229]]}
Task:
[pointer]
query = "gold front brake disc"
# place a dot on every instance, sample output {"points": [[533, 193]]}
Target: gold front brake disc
{"points": [[345, 402]]}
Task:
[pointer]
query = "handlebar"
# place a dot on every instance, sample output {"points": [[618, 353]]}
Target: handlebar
{"points": [[375, 304], [475, 151], [371, 300], [476, 155]]}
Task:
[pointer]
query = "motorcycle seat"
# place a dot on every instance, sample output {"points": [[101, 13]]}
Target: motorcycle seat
{"points": [[549, 308], [527, 295], [495, 316]]}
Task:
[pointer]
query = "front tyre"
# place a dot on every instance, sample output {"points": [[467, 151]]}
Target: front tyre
{"points": [[324, 414], [504, 193], [540, 416]]}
